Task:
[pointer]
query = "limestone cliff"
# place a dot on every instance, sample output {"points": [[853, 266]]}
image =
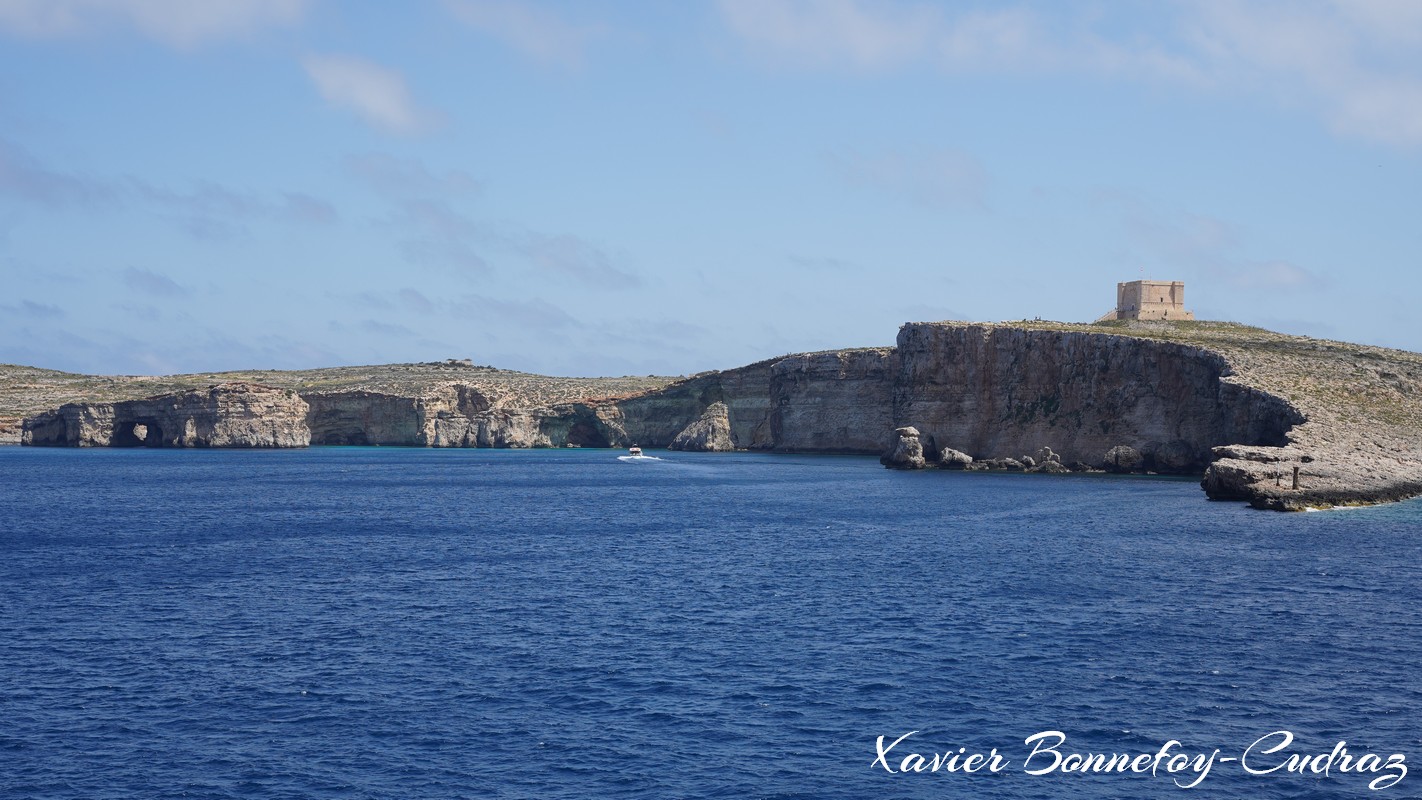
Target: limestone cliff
{"points": [[1000, 391], [654, 419], [830, 402], [226, 415], [455, 414], [10, 429], [990, 391], [1241, 405], [710, 433]]}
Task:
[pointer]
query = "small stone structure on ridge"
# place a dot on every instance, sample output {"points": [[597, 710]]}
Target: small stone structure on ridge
{"points": [[1149, 300]]}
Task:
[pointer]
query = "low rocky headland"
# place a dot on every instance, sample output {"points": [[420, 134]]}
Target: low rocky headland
{"points": [[1282, 422]]}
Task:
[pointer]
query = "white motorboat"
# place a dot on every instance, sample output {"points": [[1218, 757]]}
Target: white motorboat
{"points": [[634, 454]]}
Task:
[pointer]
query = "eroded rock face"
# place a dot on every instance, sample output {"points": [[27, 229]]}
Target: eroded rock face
{"points": [[711, 432], [654, 419], [364, 418], [225, 415], [433, 419], [1123, 458], [830, 402], [11, 429], [1265, 477], [906, 452], [839, 402], [995, 389], [1065, 397], [949, 458]]}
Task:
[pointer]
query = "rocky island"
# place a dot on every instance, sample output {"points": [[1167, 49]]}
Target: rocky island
{"points": [[1282, 422]]}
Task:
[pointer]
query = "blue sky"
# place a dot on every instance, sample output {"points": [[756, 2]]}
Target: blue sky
{"points": [[590, 188]]}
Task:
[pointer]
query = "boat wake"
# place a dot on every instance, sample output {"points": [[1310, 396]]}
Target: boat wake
{"points": [[637, 459]]}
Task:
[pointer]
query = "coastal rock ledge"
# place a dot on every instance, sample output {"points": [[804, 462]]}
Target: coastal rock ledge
{"points": [[225, 415], [1240, 406], [710, 433]]}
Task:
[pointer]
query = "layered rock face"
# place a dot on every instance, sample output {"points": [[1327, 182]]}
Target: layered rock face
{"points": [[830, 402], [710, 433], [656, 418], [999, 391], [1193, 398], [226, 415], [365, 418], [907, 452], [839, 402], [986, 391], [456, 415]]}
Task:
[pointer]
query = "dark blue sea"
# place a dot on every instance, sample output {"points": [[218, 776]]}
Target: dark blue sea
{"points": [[406, 623]]}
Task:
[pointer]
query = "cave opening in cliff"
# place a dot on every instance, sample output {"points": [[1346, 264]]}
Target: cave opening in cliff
{"points": [[585, 434], [341, 438], [138, 433]]}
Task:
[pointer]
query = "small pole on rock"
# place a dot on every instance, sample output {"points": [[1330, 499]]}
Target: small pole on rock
{"points": [[1296, 477]]}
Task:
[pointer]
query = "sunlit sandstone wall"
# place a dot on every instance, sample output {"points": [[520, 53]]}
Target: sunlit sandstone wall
{"points": [[1151, 300]]}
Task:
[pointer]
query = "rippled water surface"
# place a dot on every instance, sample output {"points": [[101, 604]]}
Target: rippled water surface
{"points": [[363, 623]]}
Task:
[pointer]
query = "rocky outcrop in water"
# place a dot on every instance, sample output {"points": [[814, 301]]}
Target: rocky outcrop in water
{"points": [[1123, 458], [226, 415], [906, 452], [1296, 478], [711, 432], [948, 458]]}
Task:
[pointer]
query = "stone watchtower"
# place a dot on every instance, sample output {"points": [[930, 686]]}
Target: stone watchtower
{"points": [[1150, 300]]}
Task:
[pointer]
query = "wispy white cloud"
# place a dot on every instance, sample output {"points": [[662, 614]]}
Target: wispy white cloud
{"points": [[836, 31], [25, 178], [434, 233], [1279, 276], [453, 252], [1355, 63], [415, 300], [376, 94], [521, 315], [569, 256], [307, 209], [183, 24], [408, 177], [435, 230], [386, 329], [148, 282], [1211, 248], [207, 210], [33, 310], [858, 34], [537, 32], [823, 263], [939, 178]]}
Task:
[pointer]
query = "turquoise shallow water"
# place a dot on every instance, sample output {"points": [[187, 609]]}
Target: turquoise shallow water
{"points": [[352, 622]]}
